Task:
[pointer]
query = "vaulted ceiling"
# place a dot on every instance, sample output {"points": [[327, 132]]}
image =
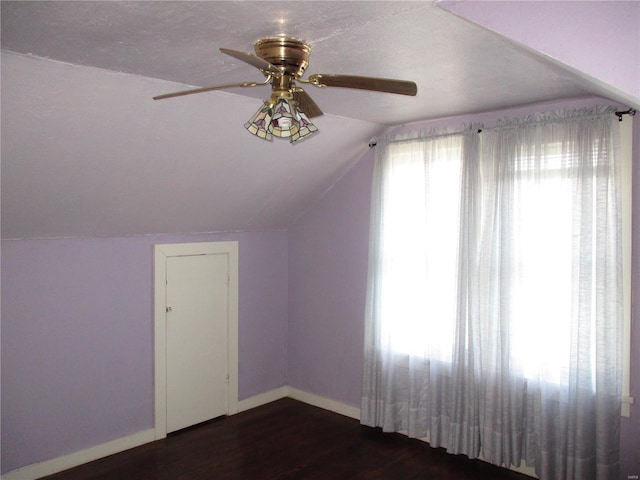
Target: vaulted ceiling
{"points": [[87, 152]]}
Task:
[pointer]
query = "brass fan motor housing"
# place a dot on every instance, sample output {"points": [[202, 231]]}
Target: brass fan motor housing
{"points": [[289, 54]]}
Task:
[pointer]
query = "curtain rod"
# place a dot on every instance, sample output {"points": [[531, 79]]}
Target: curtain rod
{"points": [[631, 112]]}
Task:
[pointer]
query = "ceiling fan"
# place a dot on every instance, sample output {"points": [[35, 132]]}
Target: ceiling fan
{"points": [[287, 113]]}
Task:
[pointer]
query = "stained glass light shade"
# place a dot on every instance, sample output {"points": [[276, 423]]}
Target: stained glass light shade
{"points": [[283, 123], [306, 127], [260, 123], [279, 117]]}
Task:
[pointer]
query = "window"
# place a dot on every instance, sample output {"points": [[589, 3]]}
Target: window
{"points": [[420, 257], [495, 301]]}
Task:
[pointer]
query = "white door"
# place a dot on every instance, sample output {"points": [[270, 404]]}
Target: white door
{"points": [[197, 365]]}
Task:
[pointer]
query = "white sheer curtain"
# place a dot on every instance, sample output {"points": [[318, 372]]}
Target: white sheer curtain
{"points": [[494, 308]]}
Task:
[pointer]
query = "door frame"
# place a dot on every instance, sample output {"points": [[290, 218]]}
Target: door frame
{"points": [[161, 252]]}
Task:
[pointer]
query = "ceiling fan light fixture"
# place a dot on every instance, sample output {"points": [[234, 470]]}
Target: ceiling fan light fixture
{"points": [[281, 118], [283, 60]]}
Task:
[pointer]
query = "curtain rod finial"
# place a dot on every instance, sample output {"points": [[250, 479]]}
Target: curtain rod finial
{"points": [[630, 112]]}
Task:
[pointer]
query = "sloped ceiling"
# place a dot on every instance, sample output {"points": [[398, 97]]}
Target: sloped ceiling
{"points": [[86, 152], [610, 31]]}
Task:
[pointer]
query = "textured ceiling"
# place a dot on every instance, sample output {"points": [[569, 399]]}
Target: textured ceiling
{"points": [[85, 151], [459, 67]]}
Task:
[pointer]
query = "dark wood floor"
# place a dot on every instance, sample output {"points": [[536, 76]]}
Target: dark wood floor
{"points": [[285, 440]]}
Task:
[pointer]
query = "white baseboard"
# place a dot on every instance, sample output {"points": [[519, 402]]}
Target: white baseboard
{"points": [[49, 467], [325, 403], [302, 396], [262, 399]]}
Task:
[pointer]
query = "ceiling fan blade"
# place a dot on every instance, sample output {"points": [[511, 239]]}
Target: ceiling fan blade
{"points": [[306, 104], [206, 89], [387, 85], [252, 60]]}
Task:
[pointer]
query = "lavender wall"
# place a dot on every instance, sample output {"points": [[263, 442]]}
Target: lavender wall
{"points": [[327, 275], [327, 286], [77, 337]]}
